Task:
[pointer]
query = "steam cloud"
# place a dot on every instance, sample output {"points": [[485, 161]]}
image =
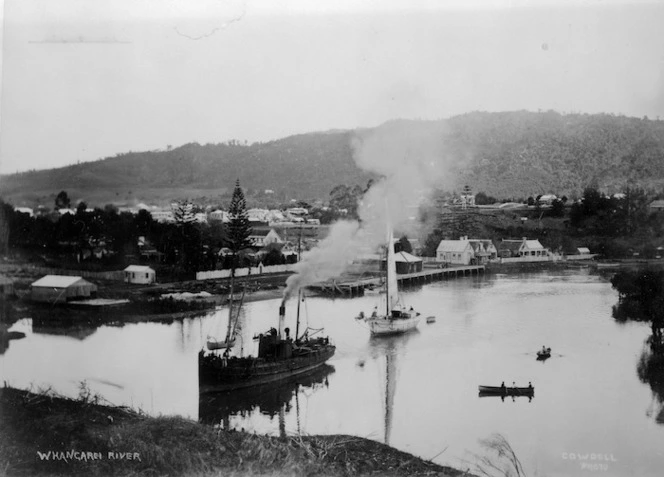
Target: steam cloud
{"points": [[410, 159]]}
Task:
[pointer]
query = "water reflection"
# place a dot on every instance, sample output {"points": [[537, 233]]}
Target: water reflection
{"points": [[389, 348], [269, 399], [642, 299], [650, 370]]}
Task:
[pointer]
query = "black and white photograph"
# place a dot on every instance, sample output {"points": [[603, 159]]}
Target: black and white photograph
{"points": [[332, 238]]}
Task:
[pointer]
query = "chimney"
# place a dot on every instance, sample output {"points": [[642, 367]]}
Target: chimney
{"points": [[282, 319]]}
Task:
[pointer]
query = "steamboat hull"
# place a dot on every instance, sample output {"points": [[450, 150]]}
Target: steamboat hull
{"points": [[218, 375]]}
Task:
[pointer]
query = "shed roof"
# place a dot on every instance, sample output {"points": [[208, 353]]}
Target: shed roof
{"points": [[583, 250], [406, 257], [138, 268], [58, 281], [453, 245]]}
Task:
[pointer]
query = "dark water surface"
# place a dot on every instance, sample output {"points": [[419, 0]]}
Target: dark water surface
{"points": [[418, 392]]}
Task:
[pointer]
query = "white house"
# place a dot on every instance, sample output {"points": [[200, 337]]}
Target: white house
{"points": [[547, 199], [522, 248], [139, 274], [25, 210], [162, 216], [484, 250], [220, 215], [261, 238], [458, 252], [258, 215]]}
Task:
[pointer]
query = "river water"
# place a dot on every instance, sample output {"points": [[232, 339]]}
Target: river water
{"points": [[417, 392]]}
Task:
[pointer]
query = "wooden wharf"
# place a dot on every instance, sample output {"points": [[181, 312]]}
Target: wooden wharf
{"points": [[356, 287]]}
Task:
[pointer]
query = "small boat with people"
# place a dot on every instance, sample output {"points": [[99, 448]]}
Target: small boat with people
{"points": [[503, 390], [543, 354]]}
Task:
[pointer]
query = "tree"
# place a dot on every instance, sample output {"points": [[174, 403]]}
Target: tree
{"points": [[557, 208], [62, 200], [81, 208], [239, 229], [6, 212], [403, 245]]}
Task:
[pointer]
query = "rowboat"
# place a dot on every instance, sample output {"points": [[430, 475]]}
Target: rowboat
{"points": [[506, 391], [431, 319], [544, 354]]}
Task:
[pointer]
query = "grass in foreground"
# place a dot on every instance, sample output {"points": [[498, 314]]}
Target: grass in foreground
{"points": [[34, 423]]}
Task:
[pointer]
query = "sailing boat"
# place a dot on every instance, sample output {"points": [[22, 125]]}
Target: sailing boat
{"points": [[279, 357], [396, 319], [229, 341]]}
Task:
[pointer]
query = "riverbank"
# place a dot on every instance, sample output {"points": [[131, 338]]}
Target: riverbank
{"points": [[43, 434]]}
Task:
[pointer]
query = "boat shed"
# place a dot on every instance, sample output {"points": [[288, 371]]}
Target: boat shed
{"points": [[60, 289], [407, 263], [141, 274]]}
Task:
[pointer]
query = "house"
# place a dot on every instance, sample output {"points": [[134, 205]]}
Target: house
{"points": [[24, 210], [484, 250], [521, 248], [261, 238], [163, 216], [258, 215], [60, 289], [220, 216], [139, 274], [657, 205], [583, 250], [547, 199], [458, 252]]}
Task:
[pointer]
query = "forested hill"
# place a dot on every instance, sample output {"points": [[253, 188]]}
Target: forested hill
{"points": [[511, 154]]}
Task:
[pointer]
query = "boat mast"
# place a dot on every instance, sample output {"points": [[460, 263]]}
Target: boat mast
{"points": [[230, 310]]}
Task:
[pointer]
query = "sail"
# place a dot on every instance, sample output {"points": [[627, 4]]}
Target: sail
{"points": [[391, 269]]}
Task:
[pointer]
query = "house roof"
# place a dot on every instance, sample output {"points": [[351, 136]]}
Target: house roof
{"points": [[583, 250], [513, 245], [534, 245], [138, 268], [58, 281], [657, 204], [453, 245], [406, 257]]}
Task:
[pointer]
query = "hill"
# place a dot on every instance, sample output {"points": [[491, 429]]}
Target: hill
{"points": [[506, 155]]}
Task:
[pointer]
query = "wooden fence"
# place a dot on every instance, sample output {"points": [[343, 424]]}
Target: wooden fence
{"points": [[243, 272]]}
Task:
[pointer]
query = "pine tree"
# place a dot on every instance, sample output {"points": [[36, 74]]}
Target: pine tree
{"points": [[239, 229]]}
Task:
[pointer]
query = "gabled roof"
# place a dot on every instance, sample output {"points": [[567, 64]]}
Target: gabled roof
{"points": [[138, 268], [583, 250], [513, 245], [453, 245], [657, 204], [57, 281]]}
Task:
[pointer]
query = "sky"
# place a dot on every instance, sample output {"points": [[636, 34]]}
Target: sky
{"points": [[88, 79]]}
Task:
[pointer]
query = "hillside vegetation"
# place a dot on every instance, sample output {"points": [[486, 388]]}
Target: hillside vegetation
{"points": [[506, 155]]}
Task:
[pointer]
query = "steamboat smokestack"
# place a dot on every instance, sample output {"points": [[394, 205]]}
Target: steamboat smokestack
{"points": [[282, 318]]}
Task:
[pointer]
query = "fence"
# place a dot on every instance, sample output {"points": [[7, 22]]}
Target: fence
{"points": [[117, 275], [243, 272]]}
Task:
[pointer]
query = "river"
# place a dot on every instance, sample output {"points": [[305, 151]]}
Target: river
{"points": [[418, 392]]}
